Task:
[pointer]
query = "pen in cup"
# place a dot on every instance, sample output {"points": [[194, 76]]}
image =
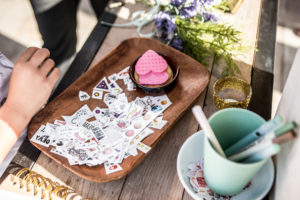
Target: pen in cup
{"points": [[285, 137], [252, 150], [269, 126], [202, 120], [263, 154], [262, 142]]}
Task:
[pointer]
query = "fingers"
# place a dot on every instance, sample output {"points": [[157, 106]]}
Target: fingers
{"points": [[39, 56], [53, 76], [39, 59], [46, 67], [27, 54]]}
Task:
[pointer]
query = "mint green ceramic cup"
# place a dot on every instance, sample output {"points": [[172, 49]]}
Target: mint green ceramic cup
{"points": [[223, 176]]}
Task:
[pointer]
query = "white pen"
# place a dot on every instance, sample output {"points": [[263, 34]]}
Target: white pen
{"points": [[254, 149], [202, 120], [263, 154]]}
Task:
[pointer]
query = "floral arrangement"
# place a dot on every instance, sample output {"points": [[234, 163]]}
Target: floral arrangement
{"points": [[194, 27]]}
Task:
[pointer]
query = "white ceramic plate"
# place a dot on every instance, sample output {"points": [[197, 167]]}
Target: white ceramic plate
{"points": [[192, 152]]}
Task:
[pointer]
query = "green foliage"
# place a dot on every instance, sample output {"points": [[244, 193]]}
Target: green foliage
{"points": [[201, 40], [223, 6]]}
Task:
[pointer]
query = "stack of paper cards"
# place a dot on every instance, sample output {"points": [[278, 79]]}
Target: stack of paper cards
{"points": [[116, 132]]}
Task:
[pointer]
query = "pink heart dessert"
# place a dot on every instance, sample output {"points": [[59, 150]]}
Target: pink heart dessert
{"points": [[150, 62], [154, 78]]}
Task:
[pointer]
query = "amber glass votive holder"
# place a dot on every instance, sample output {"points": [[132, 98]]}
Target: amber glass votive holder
{"points": [[231, 92]]}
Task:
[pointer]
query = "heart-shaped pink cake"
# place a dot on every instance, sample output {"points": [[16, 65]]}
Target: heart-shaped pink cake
{"points": [[154, 78], [150, 62]]}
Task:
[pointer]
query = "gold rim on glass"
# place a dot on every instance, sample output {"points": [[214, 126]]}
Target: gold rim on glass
{"points": [[231, 83]]}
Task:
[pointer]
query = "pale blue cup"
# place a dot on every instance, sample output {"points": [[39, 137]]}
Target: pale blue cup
{"points": [[224, 176]]}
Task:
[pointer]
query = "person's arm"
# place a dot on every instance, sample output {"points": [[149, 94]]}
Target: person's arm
{"points": [[32, 81]]}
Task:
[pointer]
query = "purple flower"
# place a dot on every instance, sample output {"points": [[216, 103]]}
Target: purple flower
{"points": [[164, 22], [161, 18], [209, 17], [177, 3], [177, 43], [206, 2], [189, 11], [170, 27]]}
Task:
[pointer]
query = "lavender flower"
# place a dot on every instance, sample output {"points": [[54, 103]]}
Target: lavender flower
{"points": [[163, 21], [177, 3], [161, 18], [207, 2], [170, 26], [166, 27], [177, 43], [189, 11], [209, 17], [205, 5]]}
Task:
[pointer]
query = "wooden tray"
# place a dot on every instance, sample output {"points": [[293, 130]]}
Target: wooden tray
{"points": [[192, 80]]}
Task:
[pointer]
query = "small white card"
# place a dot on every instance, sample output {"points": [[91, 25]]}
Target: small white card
{"points": [[81, 115], [113, 77], [111, 168], [142, 147], [97, 94], [83, 96], [41, 137]]}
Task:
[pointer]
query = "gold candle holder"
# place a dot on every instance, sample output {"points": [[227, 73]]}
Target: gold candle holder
{"points": [[231, 92]]}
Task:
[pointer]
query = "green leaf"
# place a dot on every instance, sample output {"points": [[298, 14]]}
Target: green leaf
{"points": [[201, 40]]}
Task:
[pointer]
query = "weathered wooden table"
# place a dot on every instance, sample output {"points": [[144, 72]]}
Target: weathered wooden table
{"points": [[156, 177]]}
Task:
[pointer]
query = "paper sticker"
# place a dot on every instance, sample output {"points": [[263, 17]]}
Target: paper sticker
{"points": [[60, 122], [41, 137], [117, 132], [83, 114], [83, 96], [97, 131], [124, 73], [158, 123], [145, 133], [115, 88], [111, 168], [97, 112], [103, 85], [143, 148], [131, 86], [133, 151], [113, 77], [109, 98], [143, 122], [97, 94]]}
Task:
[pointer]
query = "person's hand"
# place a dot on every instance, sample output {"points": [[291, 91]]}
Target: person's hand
{"points": [[32, 81]]}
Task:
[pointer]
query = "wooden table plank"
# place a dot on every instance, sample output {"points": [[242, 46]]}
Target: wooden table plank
{"points": [[263, 71]]}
